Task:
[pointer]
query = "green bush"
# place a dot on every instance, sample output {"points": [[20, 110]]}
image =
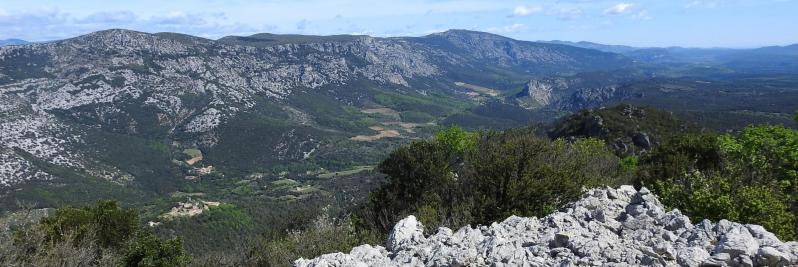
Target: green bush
{"points": [[416, 173], [216, 229], [464, 178], [147, 250], [629, 163], [717, 197], [764, 154], [323, 235], [100, 235], [680, 156], [457, 139], [107, 222], [528, 176], [750, 178]]}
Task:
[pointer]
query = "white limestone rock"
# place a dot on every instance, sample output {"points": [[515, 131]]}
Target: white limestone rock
{"points": [[607, 227]]}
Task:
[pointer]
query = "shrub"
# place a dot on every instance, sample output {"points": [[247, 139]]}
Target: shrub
{"points": [[764, 154], [323, 235], [718, 197], [457, 139], [416, 174], [109, 224], [629, 164], [680, 156], [464, 178], [147, 250], [100, 235], [33, 249], [521, 174], [750, 178]]}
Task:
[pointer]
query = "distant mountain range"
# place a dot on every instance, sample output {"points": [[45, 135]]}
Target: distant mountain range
{"points": [[601, 47], [13, 42], [63, 103], [776, 58], [153, 112], [624, 49]]}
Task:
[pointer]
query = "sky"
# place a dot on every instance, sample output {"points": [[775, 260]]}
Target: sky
{"points": [[690, 23]]}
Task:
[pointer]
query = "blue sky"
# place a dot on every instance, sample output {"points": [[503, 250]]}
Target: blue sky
{"points": [[694, 23]]}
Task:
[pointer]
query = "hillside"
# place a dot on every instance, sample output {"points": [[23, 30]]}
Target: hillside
{"points": [[629, 129], [597, 46], [13, 42], [262, 125], [726, 102], [216, 141], [72, 96], [65, 104], [458, 179]]}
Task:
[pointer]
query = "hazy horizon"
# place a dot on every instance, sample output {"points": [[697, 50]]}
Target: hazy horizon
{"points": [[640, 23], [571, 41]]}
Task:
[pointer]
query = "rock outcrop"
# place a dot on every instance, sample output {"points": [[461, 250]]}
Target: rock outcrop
{"points": [[572, 93], [608, 227], [631, 130]]}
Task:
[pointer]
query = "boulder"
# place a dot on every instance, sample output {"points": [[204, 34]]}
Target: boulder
{"points": [[406, 233], [607, 227], [770, 256], [642, 140], [594, 127]]}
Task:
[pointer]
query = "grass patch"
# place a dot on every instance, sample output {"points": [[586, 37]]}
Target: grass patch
{"points": [[284, 183], [355, 170], [416, 116], [192, 152]]}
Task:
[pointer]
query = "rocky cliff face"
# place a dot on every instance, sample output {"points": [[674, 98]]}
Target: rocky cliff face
{"points": [[571, 93], [170, 84], [133, 82], [608, 227], [630, 129]]}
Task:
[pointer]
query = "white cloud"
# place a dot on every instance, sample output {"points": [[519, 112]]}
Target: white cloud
{"points": [[517, 27], [53, 24], [523, 10], [626, 9], [620, 9]]}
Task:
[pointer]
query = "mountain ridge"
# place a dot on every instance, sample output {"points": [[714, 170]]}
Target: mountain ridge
{"points": [[184, 88], [13, 42], [335, 102], [290, 37]]}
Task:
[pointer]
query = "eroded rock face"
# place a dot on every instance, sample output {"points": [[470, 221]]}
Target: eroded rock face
{"points": [[608, 227]]}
